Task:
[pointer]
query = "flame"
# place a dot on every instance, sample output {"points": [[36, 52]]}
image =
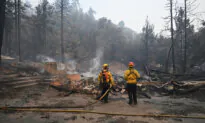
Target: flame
{"points": [[56, 83]]}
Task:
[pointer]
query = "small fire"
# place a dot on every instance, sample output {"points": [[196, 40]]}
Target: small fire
{"points": [[56, 83]]}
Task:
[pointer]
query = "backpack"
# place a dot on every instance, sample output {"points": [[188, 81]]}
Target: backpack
{"points": [[105, 76], [105, 79], [131, 72]]}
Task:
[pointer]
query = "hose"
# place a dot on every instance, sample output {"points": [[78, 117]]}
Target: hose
{"points": [[100, 97], [104, 113]]}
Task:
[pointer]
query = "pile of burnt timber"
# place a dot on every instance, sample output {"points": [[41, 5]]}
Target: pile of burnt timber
{"points": [[15, 81]]}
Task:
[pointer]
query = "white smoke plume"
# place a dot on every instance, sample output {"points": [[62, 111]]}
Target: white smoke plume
{"points": [[43, 58], [95, 64]]}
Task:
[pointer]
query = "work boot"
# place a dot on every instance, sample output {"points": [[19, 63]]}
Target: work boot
{"points": [[106, 101], [130, 102], [135, 102]]}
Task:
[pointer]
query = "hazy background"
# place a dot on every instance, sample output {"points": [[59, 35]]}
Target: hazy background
{"points": [[133, 12], [108, 31]]}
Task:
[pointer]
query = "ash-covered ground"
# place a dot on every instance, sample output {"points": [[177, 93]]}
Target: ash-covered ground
{"points": [[41, 95]]}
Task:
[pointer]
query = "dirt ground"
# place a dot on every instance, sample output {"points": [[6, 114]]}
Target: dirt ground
{"points": [[44, 96]]}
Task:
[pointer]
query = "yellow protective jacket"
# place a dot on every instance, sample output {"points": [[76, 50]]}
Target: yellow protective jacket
{"points": [[131, 75], [109, 79]]}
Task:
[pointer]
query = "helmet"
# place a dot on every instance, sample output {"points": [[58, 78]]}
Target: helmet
{"points": [[105, 66], [131, 64]]}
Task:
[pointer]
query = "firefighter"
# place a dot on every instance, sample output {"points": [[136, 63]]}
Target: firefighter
{"points": [[106, 81], [131, 75]]}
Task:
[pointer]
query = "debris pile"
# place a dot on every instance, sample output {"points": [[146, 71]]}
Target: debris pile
{"points": [[74, 84], [17, 75]]}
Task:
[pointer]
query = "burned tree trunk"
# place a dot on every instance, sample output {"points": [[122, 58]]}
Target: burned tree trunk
{"points": [[19, 28], [16, 21], [62, 40], [146, 45], [2, 18], [185, 35], [172, 38], [6, 39]]}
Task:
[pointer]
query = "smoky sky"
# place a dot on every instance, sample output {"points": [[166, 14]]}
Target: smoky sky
{"points": [[134, 12]]}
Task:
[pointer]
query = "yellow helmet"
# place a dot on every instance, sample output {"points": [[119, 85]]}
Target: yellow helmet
{"points": [[105, 66]]}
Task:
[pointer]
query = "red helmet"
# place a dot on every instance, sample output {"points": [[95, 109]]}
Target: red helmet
{"points": [[131, 64]]}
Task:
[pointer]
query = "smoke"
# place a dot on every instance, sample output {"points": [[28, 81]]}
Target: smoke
{"points": [[43, 58], [95, 64], [71, 67]]}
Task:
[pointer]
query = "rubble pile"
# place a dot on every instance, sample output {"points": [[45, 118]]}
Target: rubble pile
{"points": [[73, 84], [18, 75], [146, 85]]}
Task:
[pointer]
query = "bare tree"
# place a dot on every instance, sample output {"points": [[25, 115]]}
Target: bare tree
{"points": [[146, 41], [16, 20], [2, 19], [19, 29], [191, 15], [172, 38], [148, 38], [185, 35], [170, 19]]}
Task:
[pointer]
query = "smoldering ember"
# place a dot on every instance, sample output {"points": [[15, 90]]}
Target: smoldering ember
{"points": [[68, 61]]}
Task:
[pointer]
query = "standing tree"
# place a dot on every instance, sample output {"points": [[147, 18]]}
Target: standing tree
{"points": [[43, 28], [91, 13], [170, 6], [172, 38], [9, 26], [19, 29], [179, 38], [185, 35], [62, 9], [16, 20], [62, 40], [148, 37], [2, 18], [44, 5], [184, 28]]}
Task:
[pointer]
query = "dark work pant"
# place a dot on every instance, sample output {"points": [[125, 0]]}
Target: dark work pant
{"points": [[105, 98], [104, 87], [132, 93]]}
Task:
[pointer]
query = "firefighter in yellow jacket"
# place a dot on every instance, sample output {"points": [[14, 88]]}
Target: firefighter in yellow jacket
{"points": [[106, 81], [131, 75]]}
